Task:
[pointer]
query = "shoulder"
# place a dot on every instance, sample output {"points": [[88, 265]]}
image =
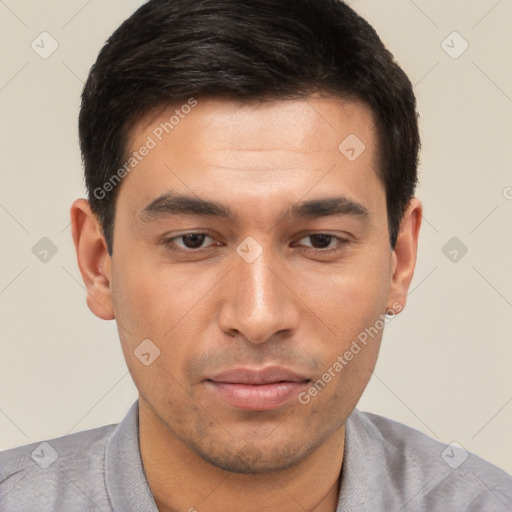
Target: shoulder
{"points": [[60, 472], [428, 474]]}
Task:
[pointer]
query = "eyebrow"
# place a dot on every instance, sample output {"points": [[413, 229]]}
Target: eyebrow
{"points": [[177, 204], [339, 205]]}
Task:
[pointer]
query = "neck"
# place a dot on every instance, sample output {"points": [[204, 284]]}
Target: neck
{"points": [[180, 480]]}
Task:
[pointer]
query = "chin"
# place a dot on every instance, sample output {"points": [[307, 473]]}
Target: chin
{"points": [[249, 459]]}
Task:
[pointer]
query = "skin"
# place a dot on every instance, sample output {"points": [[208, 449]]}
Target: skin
{"points": [[207, 312]]}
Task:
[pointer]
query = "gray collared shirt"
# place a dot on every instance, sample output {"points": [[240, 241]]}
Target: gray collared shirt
{"points": [[387, 467]]}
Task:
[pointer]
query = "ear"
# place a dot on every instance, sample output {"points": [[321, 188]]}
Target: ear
{"points": [[93, 259], [403, 258]]}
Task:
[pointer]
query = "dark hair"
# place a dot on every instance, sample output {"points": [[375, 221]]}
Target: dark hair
{"points": [[258, 50]]}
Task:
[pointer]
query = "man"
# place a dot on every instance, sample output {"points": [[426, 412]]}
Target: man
{"points": [[251, 169]]}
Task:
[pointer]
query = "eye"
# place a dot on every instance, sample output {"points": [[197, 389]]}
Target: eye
{"points": [[323, 242], [189, 241]]}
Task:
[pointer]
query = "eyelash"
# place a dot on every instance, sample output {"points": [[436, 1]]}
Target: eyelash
{"points": [[169, 243]]}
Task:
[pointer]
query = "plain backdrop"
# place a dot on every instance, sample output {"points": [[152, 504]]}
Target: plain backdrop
{"points": [[445, 363]]}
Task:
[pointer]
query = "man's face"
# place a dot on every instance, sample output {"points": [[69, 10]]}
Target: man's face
{"points": [[294, 296]]}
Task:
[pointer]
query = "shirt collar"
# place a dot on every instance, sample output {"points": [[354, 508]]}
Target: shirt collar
{"points": [[125, 480]]}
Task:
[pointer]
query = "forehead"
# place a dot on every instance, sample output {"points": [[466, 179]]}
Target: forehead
{"points": [[233, 150], [257, 125]]}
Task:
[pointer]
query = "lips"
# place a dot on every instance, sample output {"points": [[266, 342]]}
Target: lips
{"points": [[268, 375], [257, 390]]}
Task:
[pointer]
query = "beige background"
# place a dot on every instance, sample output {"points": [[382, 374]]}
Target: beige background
{"points": [[445, 362]]}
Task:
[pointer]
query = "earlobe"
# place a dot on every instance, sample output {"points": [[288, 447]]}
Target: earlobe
{"points": [[403, 257], [93, 259]]}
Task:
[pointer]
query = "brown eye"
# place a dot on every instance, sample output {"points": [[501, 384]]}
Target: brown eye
{"points": [[320, 241], [189, 241], [323, 242], [193, 240]]}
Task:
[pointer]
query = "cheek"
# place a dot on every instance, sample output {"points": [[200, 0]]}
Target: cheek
{"points": [[165, 305], [350, 297], [348, 322], [150, 297], [345, 374], [139, 305]]}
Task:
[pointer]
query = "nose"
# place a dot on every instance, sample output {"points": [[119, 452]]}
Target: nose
{"points": [[258, 303]]}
